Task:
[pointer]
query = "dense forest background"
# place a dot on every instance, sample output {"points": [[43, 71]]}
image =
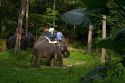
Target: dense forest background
{"points": [[47, 11], [103, 26], [40, 12]]}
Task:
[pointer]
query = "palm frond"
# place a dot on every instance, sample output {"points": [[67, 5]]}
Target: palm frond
{"points": [[80, 16], [119, 35], [116, 42], [106, 43], [74, 18]]}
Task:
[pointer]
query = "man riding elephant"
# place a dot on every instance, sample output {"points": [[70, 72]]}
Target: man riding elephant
{"points": [[44, 49], [50, 34], [48, 46]]}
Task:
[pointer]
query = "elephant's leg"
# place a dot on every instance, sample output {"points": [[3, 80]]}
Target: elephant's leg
{"points": [[51, 61], [59, 56], [60, 59], [37, 60]]}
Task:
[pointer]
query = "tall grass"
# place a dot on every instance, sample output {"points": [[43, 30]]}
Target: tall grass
{"points": [[16, 68]]}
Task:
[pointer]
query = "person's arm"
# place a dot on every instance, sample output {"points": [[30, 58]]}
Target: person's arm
{"points": [[61, 34]]}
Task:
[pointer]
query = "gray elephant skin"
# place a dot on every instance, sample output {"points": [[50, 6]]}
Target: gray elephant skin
{"points": [[44, 49]]}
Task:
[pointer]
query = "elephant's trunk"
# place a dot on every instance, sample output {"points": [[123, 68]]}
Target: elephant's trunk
{"points": [[66, 54]]}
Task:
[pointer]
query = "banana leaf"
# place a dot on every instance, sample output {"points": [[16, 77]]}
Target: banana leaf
{"points": [[100, 3], [116, 42], [80, 16]]}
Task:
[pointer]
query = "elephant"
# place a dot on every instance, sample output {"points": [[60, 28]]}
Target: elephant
{"points": [[26, 42], [44, 49]]}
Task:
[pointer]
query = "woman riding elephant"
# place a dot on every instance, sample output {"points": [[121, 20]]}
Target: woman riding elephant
{"points": [[63, 44]]}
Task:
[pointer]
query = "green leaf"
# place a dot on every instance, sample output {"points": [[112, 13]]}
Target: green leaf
{"points": [[80, 16], [95, 3], [119, 35], [122, 2], [105, 43], [75, 17], [116, 41]]}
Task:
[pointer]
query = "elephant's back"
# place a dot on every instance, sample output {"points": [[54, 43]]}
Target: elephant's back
{"points": [[44, 48], [41, 44]]}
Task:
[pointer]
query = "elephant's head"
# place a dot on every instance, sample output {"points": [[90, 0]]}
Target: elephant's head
{"points": [[64, 48]]}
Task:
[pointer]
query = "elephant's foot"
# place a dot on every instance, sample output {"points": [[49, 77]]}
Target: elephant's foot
{"points": [[51, 62], [36, 65]]}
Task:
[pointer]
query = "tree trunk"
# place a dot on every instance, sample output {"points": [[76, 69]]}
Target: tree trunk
{"points": [[27, 10], [1, 18], [19, 30], [90, 37], [103, 52], [0, 2], [54, 7], [1, 25]]}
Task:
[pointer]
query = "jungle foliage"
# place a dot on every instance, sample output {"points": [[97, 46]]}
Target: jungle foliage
{"points": [[80, 12]]}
